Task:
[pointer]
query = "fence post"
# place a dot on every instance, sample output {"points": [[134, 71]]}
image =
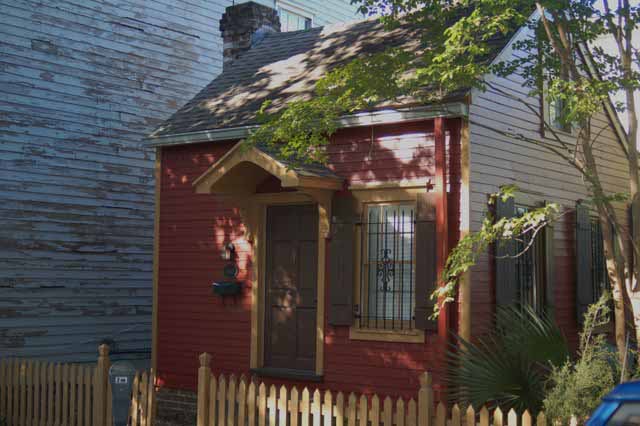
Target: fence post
{"points": [[204, 376], [425, 400], [100, 387]]}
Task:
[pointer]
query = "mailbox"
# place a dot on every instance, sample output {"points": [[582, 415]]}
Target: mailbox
{"points": [[121, 376]]}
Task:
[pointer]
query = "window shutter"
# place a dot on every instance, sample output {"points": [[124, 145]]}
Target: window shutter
{"points": [[426, 272], [550, 266], [505, 267], [342, 259], [584, 279]]}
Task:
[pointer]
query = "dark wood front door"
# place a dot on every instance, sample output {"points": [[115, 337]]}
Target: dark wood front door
{"points": [[291, 287]]}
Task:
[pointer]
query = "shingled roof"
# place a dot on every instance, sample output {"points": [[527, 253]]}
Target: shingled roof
{"points": [[282, 67]]}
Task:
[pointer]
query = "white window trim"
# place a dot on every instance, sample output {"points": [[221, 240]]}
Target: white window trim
{"points": [[290, 7]]}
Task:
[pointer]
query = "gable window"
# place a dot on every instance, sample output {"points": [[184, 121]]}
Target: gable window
{"points": [[387, 289], [293, 19]]}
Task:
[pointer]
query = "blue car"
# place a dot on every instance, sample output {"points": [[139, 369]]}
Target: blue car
{"points": [[620, 407]]}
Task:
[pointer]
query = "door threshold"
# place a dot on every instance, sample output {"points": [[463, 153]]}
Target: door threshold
{"points": [[287, 373]]}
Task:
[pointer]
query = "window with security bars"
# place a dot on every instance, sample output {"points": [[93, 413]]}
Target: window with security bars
{"points": [[529, 265], [387, 288]]}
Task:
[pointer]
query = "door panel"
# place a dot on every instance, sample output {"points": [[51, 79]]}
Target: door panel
{"points": [[291, 287]]}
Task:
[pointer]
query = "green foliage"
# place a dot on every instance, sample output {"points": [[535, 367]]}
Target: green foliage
{"points": [[576, 387], [509, 366], [468, 250], [458, 39], [301, 130]]}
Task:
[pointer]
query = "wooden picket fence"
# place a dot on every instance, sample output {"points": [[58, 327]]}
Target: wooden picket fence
{"points": [[38, 393], [234, 401]]}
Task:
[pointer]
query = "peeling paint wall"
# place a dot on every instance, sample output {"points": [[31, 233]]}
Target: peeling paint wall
{"points": [[82, 82]]}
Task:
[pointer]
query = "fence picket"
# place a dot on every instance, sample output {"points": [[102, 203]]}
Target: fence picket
{"points": [[441, 416], [58, 395], [251, 405], [400, 412], [51, 385], [512, 418], [497, 417], [315, 409], [339, 409], [526, 418], [363, 409], [73, 396], [411, 413], [88, 403], [304, 409], [213, 398], [36, 393], [3, 391], [294, 407], [271, 405], [30, 399], [387, 412], [23, 393], [455, 415], [484, 417], [231, 399], [327, 408], [16, 392], [222, 399], [541, 420], [470, 416], [242, 400], [65, 394], [374, 414], [262, 404], [282, 407], [351, 410]]}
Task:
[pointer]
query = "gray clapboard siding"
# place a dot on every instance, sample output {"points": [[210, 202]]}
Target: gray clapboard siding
{"points": [[497, 160], [82, 82]]}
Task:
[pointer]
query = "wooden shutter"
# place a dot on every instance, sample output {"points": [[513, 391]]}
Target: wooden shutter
{"points": [[505, 267], [342, 261], [426, 267], [550, 266], [584, 278]]}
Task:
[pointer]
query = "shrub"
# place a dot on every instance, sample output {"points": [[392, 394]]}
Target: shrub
{"points": [[577, 387], [508, 367]]}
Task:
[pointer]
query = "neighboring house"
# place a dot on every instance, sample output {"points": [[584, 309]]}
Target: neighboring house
{"points": [[82, 83], [336, 263]]}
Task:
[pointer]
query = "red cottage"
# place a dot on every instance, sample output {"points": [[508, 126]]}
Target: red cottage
{"points": [[321, 274]]}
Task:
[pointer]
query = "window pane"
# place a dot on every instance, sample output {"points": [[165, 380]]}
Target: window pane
{"points": [[291, 21], [388, 267]]}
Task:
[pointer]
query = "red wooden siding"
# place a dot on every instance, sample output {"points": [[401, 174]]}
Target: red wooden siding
{"points": [[193, 228]]}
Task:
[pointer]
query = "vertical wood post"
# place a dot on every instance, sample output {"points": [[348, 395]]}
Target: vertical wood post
{"points": [[425, 400], [204, 376], [100, 389], [441, 218]]}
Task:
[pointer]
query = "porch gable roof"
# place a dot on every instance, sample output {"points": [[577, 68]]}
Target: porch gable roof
{"points": [[241, 168]]}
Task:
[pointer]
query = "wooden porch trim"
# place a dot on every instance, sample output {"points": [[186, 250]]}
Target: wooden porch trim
{"points": [[440, 189]]}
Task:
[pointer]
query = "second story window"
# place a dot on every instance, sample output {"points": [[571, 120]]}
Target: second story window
{"points": [[293, 19]]}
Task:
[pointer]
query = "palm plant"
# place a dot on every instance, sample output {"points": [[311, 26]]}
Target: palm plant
{"points": [[509, 366]]}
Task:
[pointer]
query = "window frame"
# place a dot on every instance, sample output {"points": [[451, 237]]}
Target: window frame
{"points": [[364, 262], [568, 129], [382, 195], [539, 266], [296, 10]]}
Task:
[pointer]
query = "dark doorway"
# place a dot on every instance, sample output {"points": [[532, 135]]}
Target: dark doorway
{"points": [[291, 287]]}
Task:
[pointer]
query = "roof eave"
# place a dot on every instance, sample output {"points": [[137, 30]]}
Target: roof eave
{"points": [[388, 116]]}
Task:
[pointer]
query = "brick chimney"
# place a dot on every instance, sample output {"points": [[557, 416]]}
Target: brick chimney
{"points": [[244, 25]]}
